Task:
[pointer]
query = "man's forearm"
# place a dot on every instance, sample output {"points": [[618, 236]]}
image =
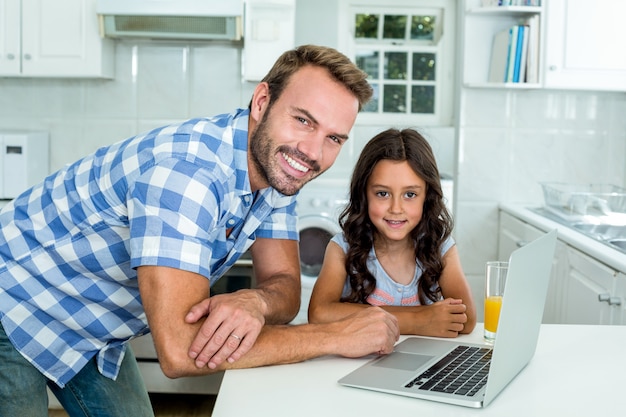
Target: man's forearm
{"points": [[280, 298], [371, 330]]}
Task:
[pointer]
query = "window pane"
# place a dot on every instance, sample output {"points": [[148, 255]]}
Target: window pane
{"points": [[423, 99], [366, 26], [396, 65], [394, 27], [422, 27], [368, 62], [372, 105], [394, 100], [423, 66]]}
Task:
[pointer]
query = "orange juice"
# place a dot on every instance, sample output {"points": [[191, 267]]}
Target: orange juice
{"points": [[492, 312]]}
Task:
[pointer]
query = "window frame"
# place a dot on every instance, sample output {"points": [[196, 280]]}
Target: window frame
{"points": [[445, 66]]}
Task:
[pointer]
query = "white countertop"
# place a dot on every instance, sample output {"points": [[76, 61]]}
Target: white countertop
{"points": [[577, 370], [611, 257]]}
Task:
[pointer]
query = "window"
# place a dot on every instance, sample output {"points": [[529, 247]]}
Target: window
{"points": [[408, 54]]}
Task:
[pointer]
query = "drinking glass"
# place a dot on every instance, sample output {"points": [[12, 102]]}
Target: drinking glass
{"points": [[495, 279]]}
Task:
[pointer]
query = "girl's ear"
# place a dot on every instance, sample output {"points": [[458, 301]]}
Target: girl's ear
{"points": [[260, 100]]}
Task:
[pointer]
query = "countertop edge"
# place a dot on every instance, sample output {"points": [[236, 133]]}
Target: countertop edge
{"points": [[611, 257]]}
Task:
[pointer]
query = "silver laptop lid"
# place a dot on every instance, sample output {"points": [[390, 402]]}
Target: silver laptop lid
{"points": [[522, 311]]}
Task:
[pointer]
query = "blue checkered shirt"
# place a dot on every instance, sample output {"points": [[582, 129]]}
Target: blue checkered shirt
{"points": [[70, 245]]}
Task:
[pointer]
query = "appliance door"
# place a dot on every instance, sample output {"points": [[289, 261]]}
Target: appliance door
{"points": [[315, 233]]}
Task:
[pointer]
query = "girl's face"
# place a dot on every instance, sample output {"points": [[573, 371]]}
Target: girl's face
{"points": [[395, 199]]}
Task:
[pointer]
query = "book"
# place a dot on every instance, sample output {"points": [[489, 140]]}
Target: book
{"points": [[532, 60], [519, 53], [510, 70], [522, 54], [499, 56]]}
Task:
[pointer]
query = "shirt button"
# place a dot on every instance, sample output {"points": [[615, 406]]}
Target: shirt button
{"points": [[231, 222], [246, 199], [399, 289]]}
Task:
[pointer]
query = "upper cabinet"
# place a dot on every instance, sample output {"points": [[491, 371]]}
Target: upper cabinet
{"points": [[486, 41], [578, 44], [42, 38], [586, 44]]}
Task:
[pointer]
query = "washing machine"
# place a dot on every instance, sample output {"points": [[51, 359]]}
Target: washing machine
{"points": [[319, 204]]}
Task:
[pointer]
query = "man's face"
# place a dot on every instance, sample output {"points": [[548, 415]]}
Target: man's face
{"points": [[299, 136]]}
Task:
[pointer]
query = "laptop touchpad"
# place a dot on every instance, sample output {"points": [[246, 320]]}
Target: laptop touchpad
{"points": [[404, 361]]}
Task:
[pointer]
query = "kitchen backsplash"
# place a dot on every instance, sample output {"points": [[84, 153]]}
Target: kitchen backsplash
{"points": [[155, 83]]}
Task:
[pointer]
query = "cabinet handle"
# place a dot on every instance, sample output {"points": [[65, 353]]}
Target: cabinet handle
{"points": [[10, 56], [615, 301], [552, 67], [27, 56], [521, 243], [604, 297]]}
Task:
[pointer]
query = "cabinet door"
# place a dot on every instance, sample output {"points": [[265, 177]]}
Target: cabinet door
{"points": [[10, 37], [589, 282], [61, 38], [585, 44], [556, 289], [514, 233], [619, 300]]}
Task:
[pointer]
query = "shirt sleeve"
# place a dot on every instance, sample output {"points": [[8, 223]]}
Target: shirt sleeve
{"points": [[173, 206], [445, 247]]}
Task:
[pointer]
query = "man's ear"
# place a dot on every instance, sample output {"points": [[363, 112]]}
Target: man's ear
{"points": [[260, 100]]}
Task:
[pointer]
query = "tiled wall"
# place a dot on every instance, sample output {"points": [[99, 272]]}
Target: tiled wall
{"points": [[155, 83], [510, 140]]}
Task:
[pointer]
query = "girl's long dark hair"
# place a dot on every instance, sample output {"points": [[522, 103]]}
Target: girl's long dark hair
{"points": [[433, 229]]}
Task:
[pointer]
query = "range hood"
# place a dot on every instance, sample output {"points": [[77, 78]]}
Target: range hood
{"points": [[171, 19]]}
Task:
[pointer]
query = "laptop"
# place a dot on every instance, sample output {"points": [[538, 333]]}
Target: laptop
{"points": [[418, 366]]}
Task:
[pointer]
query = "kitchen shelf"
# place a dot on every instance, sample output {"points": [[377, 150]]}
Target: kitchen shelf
{"points": [[518, 86], [500, 10], [479, 26]]}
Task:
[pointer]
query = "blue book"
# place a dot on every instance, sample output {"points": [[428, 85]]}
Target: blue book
{"points": [[518, 53]]}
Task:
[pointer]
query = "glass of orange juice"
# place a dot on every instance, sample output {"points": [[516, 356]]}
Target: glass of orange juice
{"points": [[495, 279]]}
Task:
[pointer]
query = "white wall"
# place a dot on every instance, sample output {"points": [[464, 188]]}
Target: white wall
{"points": [[509, 140]]}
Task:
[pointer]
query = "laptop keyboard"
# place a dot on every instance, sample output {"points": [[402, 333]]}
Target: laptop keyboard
{"points": [[463, 372]]}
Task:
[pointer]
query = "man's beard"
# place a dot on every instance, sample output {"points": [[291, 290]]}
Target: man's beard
{"points": [[263, 156]]}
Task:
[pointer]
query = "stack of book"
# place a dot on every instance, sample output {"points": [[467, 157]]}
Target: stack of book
{"points": [[515, 53], [489, 3]]}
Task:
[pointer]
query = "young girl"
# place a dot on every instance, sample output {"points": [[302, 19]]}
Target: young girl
{"points": [[395, 250]]}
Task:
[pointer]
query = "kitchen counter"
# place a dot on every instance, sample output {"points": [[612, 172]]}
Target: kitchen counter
{"points": [[577, 370], [611, 257]]}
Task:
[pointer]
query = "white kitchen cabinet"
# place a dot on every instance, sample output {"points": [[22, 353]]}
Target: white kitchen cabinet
{"points": [[515, 233], [479, 26], [60, 38], [583, 289], [552, 312], [590, 294], [619, 300], [585, 45]]}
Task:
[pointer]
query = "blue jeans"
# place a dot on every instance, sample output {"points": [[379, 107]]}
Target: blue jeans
{"points": [[88, 394]]}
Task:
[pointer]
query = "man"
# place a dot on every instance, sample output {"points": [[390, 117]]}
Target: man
{"points": [[128, 240]]}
